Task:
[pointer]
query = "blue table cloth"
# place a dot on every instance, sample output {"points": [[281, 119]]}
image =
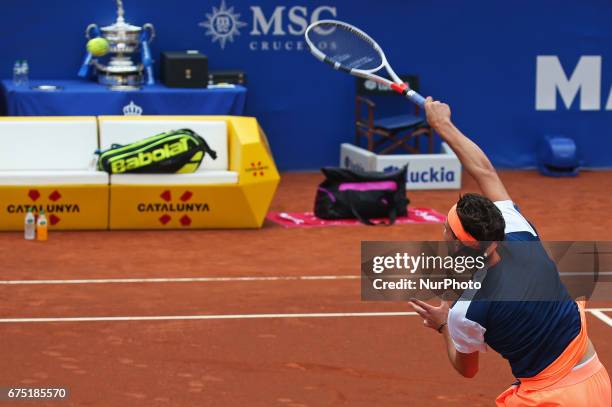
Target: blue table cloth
{"points": [[83, 98]]}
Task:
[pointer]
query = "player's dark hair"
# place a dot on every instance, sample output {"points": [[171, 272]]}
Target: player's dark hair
{"points": [[481, 218]]}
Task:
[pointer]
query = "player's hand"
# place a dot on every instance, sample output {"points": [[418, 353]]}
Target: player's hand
{"points": [[438, 113], [433, 317]]}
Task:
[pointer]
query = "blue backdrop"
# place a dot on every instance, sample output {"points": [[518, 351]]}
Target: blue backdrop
{"points": [[479, 56]]}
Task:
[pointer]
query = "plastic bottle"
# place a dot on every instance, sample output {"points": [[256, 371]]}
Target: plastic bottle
{"points": [[25, 73], [41, 226], [29, 229], [17, 73]]}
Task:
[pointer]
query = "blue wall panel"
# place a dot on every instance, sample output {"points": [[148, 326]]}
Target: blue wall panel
{"points": [[479, 56]]}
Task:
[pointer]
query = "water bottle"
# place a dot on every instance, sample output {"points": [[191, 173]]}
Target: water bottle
{"points": [[17, 73], [25, 72], [30, 226], [41, 226]]}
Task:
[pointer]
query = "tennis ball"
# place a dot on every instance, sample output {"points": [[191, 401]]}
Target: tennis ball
{"points": [[98, 47]]}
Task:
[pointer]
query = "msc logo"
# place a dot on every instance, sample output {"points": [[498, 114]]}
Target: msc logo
{"points": [[585, 79], [223, 24], [142, 159], [297, 16]]}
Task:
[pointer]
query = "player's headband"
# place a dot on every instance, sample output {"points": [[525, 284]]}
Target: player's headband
{"points": [[460, 233]]}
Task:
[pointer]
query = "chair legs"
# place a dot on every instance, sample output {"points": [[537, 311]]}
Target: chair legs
{"points": [[411, 142]]}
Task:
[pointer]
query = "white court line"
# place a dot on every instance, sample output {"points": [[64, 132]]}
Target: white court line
{"points": [[595, 311], [175, 280], [601, 316], [211, 279], [199, 317]]}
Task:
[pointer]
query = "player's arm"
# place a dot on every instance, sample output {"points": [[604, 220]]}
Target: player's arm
{"points": [[466, 364], [471, 156]]}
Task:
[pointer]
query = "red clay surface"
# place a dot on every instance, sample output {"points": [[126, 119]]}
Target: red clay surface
{"points": [[352, 361]]}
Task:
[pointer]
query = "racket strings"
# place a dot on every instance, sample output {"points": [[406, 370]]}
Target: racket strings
{"points": [[361, 36], [345, 46]]}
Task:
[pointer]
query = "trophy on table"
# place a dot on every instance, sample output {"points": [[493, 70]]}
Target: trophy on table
{"points": [[112, 51]]}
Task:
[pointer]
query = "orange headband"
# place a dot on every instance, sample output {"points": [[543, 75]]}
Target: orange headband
{"points": [[455, 224]]}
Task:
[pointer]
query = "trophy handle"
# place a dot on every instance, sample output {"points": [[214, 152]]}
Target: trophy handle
{"points": [[151, 29], [89, 29], [85, 66], [148, 33]]}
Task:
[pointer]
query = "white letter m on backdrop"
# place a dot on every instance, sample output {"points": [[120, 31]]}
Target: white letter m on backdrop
{"points": [[586, 79]]}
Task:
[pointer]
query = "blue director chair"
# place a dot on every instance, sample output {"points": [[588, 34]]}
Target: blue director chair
{"points": [[388, 134]]}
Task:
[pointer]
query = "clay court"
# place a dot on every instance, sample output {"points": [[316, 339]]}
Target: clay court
{"points": [[269, 317]]}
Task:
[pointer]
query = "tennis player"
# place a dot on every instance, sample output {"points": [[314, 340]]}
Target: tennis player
{"points": [[545, 342]]}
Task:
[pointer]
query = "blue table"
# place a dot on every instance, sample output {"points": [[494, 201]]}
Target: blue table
{"points": [[83, 98]]}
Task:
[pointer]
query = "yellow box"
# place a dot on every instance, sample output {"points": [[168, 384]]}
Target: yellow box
{"points": [[66, 206], [179, 206]]}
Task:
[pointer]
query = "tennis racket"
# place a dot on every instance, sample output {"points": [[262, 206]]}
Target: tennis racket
{"points": [[349, 49]]}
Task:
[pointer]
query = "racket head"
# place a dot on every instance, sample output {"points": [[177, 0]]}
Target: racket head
{"points": [[347, 47]]}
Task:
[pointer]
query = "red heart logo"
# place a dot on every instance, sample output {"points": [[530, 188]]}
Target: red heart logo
{"points": [[55, 195], [186, 196], [53, 220], [165, 219], [34, 194], [166, 196], [185, 220]]}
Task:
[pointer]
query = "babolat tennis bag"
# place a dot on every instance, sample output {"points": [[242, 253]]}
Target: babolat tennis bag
{"points": [[347, 194], [176, 151]]}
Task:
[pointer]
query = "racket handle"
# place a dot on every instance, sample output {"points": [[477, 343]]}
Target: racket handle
{"points": [[409, 93], [415, 98]]}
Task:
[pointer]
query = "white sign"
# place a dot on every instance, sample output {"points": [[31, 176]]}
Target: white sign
{"points": [[424, 171]]}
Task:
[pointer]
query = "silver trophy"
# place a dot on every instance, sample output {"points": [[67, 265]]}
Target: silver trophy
{"points": [[121, 70]]}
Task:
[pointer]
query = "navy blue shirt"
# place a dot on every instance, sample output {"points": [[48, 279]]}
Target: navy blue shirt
{"points": [[530, 334]]}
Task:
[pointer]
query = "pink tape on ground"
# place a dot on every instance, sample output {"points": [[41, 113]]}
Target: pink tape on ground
{"points": [[308, 219]]}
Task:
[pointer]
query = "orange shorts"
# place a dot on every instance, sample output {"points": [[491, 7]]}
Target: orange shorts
{"points": [[587, 385]]}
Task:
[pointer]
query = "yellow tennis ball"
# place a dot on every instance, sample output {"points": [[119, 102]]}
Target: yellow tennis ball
{"points": [[98, 47]]}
